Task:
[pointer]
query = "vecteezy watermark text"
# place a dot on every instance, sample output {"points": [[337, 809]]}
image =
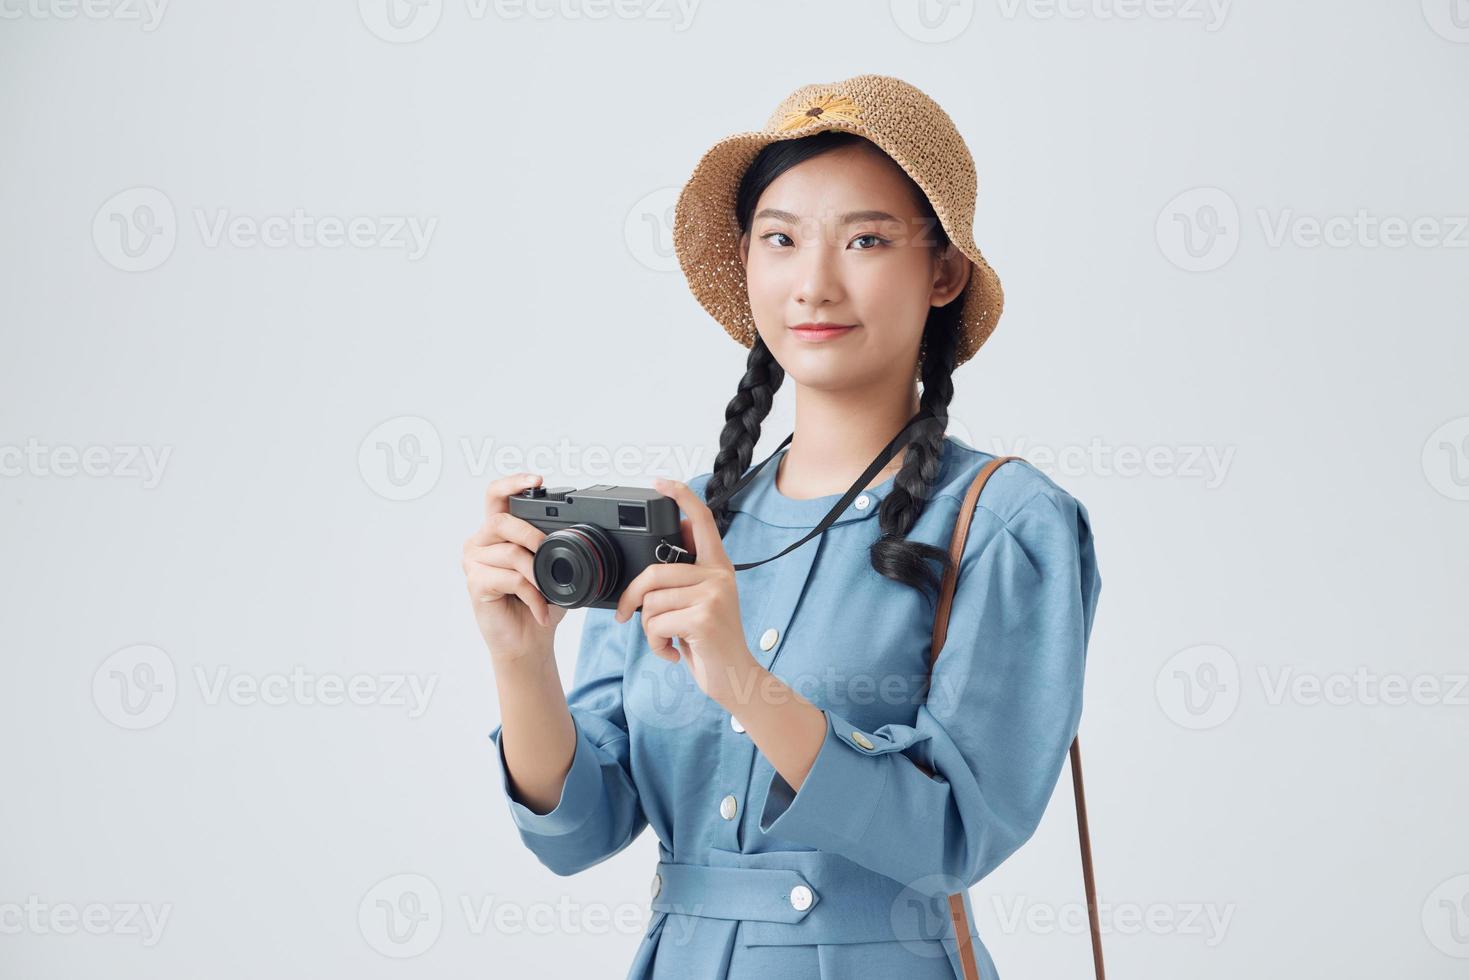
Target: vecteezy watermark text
{"points": [[403, 916], [145, 463], [1203, 919], [38, 918], [148, 13], [137, 229], [1201, 229], [137, 687], [407, 21], [1201, 686], [402, 458]]}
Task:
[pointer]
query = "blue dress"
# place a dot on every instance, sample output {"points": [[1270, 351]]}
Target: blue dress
{"points": [[848, 877]]}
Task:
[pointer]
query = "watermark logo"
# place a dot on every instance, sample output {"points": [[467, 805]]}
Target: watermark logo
{"points": [[1446, 917], [401, 21], [665, 696], [1199, 687], [135, 230], [648, 230], [402, 458], [135, 687], [932, 21], [1199, 230], [1448, 18], [919, 914], [401, 916], [1446, 459]]}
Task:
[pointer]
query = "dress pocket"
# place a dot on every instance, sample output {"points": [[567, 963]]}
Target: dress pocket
{"points": [[915, 959], [642, 963]]}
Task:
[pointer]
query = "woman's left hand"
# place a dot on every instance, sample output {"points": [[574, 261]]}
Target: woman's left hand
{"points": [[697, 603]]}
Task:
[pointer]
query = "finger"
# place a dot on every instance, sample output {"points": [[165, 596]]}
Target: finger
{"points": [[491, 584], [658, 606], [662, 628], [504, 526], [664, 649], [686, 531], [656, 576], [660, 601], [506, 583], [708, 548], [498, 493], [504, 554]]}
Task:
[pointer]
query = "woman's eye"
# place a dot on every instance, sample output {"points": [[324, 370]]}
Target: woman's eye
{"points": [[877, 240], [773, 234]]}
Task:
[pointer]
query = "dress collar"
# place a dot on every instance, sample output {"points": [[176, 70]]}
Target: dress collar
{"points": [[761, 500]]}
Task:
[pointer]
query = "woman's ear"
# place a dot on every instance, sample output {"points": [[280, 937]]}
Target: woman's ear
{"points": [[950, 275], [745, 249]]}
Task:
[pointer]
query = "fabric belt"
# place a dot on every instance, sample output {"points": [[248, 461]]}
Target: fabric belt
{"points": [[800, 898]]}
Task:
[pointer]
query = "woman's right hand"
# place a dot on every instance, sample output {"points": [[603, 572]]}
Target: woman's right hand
{"points": [[514, 618]]}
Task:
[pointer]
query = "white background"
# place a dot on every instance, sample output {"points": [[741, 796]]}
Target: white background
{"points": [[324, 420]]}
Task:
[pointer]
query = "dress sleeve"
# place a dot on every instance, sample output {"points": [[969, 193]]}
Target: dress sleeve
{"points": [[598, 813], [1003, 706]]}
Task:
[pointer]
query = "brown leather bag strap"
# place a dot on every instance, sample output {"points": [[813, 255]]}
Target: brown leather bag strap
{"points": [[940, 633]]}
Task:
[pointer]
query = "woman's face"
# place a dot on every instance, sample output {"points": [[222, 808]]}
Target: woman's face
{"points": [[839, 239]]}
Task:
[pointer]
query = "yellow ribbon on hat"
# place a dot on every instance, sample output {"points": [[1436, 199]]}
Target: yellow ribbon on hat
{"points": [[828, 107]]}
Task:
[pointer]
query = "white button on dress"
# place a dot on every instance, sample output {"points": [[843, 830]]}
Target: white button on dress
{"points": [[862, 502], [800, 898], [735, 724], [862, 740], [728, 807], [768, 638]]}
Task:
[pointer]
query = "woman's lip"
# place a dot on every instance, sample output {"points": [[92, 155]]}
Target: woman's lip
{"points": [[811, 331]]}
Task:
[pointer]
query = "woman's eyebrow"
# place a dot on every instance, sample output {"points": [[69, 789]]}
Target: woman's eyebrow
{"points": [[850, 218]]}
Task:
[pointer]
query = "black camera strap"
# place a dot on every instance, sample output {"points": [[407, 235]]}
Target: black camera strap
{"points": [[889, 451]]}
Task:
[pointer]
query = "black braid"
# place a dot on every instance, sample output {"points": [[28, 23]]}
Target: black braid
{"points": [[892, 554], [742, 418]]}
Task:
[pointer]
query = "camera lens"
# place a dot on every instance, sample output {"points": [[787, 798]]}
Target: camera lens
{"points": [[577, 565]]}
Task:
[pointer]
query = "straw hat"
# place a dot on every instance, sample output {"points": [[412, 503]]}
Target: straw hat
{"points": [[903, 122]]}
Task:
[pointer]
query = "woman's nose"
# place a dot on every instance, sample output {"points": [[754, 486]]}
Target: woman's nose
{"points": [[818, 283]]}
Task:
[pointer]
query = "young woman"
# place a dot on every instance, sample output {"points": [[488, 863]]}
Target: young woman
{"points": [[770, 723]]}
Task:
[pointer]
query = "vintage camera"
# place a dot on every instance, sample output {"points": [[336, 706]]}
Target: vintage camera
{"points": [[598, 539]]}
